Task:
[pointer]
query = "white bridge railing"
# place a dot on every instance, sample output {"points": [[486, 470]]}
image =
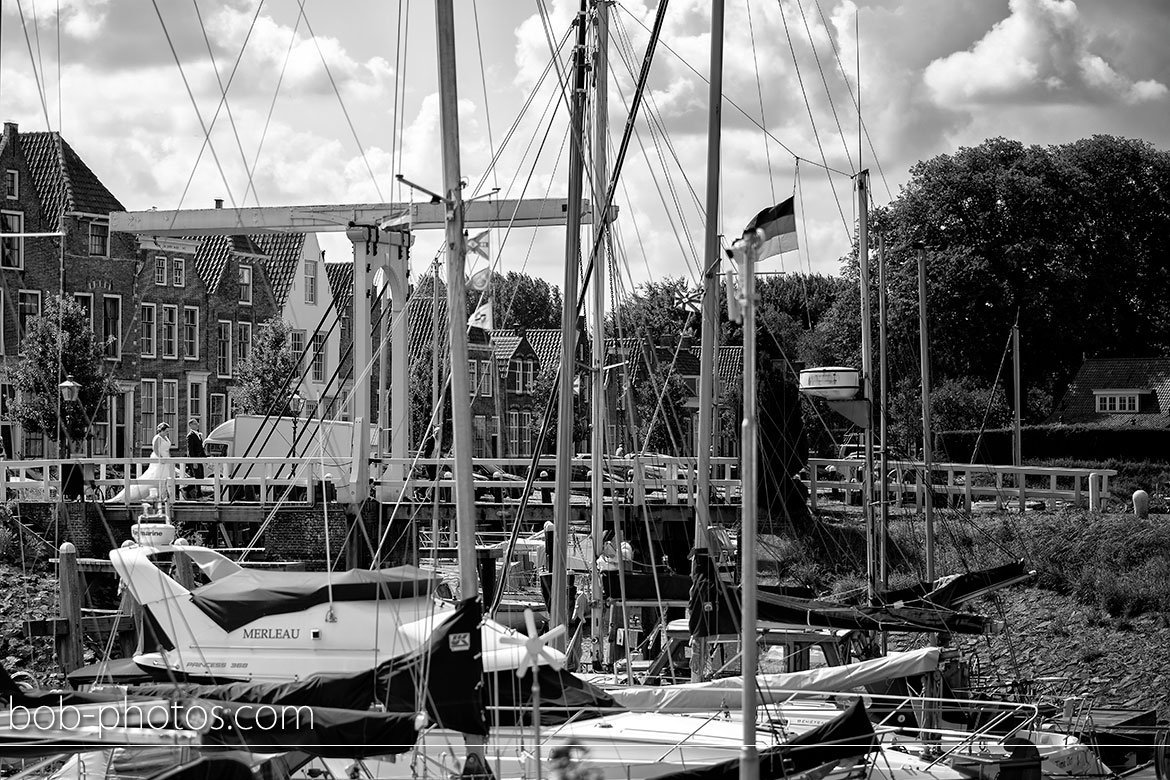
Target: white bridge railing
{"points": [[960, 483], [632, 480]]}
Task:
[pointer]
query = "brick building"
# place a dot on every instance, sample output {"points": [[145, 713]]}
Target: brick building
{"points": [[48, 189]]}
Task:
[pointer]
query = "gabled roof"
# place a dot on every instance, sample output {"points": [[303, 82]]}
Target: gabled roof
{"points": [[546, 342], [1151, 375], [728, 364], [62, 180], [420, 323], [340, 276], [283, 252], [211, 258], [504, 346]]}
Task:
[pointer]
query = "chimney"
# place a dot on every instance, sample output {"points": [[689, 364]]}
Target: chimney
{"points": [[10, 129], [219, 203]]}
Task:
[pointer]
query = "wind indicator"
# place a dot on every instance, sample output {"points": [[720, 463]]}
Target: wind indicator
{"points": [[536, 650]]}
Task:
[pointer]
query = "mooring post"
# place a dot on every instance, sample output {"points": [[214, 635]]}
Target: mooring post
{"points": [[184, 571], [69, 589]]}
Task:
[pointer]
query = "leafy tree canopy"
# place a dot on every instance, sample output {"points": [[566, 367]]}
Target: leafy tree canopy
{"points": [[58, 343], [263, 379]]}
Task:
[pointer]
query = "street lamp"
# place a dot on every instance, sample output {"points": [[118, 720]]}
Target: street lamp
{"points": [[295, 404], [70, 478]]}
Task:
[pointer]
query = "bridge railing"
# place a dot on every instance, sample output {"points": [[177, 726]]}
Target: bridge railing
{"points": [[269, 480], [960, 483]]}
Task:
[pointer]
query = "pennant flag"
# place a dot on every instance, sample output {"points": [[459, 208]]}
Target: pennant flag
{"points": [[482, 317], [778, 226], [480, 245], [479, 280]]}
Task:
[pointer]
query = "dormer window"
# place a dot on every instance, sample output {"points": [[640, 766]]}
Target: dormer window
{"points": [[245, 284], [1118, 401], [12, 185]]}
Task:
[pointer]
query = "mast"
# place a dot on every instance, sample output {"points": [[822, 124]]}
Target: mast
{"points": [[749, 764], [600, 185], [927, 458], [1017, 438], [883, 404], [710, 322], [867, 378], [456, 299], [560, 574]]}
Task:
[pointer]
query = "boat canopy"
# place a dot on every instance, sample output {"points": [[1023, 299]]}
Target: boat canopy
{"points": [[773, 688], [249, 594]]}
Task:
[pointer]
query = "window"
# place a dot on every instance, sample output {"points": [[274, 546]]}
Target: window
{"points": [[245, 284], [529, 375], [296, 342], [479, 426], [160, 271], [146, 330], [178, 272], [11, 249], [318, 357], [310, 281], [514, 434], [99, 239], [243, 341], [528, 432], [223, 351], [514, 374], [29, 307], [473, 376], [112, 325], [170, 327], [485, 378], [34, 445], [170, 403], [346, 336], [149, 409], [86, 302], [1125, 402], [7, 427], [191, 332], [217, 410], [195, 400], [12, 185]]}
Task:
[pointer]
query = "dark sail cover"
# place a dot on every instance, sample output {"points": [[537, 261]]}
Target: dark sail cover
{"points": [[447, 672], [714, 604], [951, 592], [319, 731], [811, 612], [848, 736], [351, 691], [645, 586], [563, 696], [249, 594]]}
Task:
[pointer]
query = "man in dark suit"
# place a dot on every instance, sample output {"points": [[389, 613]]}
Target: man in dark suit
{"points": [[194, 450]]}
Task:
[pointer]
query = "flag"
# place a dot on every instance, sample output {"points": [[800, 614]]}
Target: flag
{"points": [[778, 226], [478, 281], [482, 317], [480, 245]]}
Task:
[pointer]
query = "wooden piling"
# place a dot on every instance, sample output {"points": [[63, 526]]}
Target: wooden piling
{"points": [[69, 651]]}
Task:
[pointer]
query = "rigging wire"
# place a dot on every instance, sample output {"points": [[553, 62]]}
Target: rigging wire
{"points": [[223, 90], [760, 95], [271, 110], [33, 62], [340, 100], [811, 120], [824, 80]]}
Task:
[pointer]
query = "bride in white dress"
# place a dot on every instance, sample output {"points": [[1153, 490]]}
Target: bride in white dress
{"points": [[157, 482]]}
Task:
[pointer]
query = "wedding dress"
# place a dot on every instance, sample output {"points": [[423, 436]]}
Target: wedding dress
{"points": [[157, 482]]}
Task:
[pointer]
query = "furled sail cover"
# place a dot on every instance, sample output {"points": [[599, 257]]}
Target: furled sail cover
{"points": [[445, 675], [350, 691], [812, 612], [846, 737], [250, 594], [957, 589], [319, 731], [714, 604], [563, 696]]}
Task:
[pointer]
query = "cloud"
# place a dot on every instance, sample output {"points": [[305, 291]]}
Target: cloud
{"points": [[1040, 53]]}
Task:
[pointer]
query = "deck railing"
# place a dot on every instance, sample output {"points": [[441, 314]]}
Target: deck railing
{"points": [[638, 480], [961, 483]]}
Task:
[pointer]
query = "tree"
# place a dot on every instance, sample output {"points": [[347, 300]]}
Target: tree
{"points": [[57, 344], [263, 378]]}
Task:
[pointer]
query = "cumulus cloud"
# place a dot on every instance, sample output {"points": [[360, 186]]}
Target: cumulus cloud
{"points": [[1040, 53]]}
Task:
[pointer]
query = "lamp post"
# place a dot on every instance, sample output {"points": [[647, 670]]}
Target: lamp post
{"points": [[295, 404], [69, 392]]}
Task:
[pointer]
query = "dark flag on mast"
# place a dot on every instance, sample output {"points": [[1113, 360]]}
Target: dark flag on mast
{"points": [[778, 225]]}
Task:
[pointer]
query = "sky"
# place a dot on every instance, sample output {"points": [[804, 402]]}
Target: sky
{"points": [[327, 101]]}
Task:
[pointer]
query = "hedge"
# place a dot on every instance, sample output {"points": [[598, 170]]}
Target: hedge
{"points": [[1046, 442]]}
